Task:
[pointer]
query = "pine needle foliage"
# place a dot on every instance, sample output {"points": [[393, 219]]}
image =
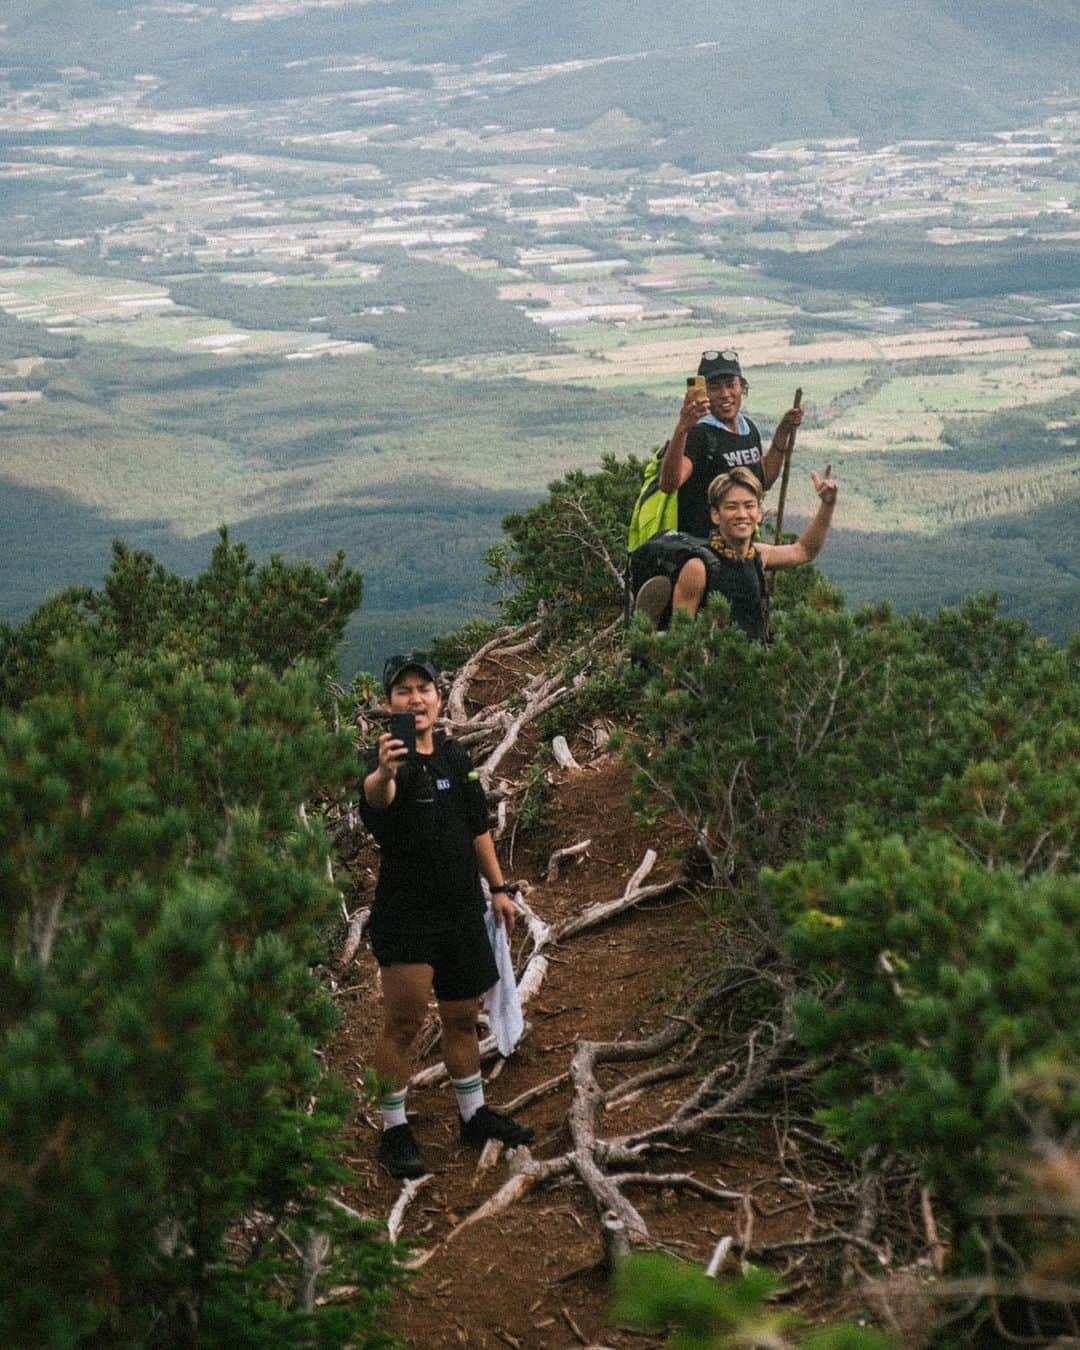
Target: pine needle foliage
{"points": [[168, 1137], [896, 801], [563, 559], [656, 1293]]}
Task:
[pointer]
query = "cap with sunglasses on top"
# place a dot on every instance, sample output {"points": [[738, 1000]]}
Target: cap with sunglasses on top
{"points": [[719, 365], [397, 665]]}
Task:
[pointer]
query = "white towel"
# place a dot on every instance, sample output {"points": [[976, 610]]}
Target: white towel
{"points": [[501, 1002]]}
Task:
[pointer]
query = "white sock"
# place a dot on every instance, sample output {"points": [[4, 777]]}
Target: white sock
{"points": [[392, 1107], [469, 1093]]}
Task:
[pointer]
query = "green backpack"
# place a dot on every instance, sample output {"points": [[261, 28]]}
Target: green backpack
{"points": [[654, 510]]}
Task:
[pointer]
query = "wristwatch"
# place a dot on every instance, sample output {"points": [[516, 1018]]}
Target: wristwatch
{"points": [[503, 888]]}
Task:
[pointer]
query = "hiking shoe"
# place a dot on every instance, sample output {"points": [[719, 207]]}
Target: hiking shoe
{"points": [[398, 1153], [488, 1124], [654, 599]]}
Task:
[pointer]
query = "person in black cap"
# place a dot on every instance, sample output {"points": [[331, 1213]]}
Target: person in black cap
{"points": [[712, 436], [428, 813]]}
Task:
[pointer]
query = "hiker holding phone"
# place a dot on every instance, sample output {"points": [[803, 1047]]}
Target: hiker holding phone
{"points": [[713, 435], [428, 813]]}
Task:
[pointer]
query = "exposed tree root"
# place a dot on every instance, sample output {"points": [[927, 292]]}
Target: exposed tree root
{"points": [[562, 855], [527, 638], [730, 1066], [409, 1191], [353, 937]]}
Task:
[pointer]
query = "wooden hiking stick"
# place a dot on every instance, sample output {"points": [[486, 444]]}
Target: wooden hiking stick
{"points": [[786, 473]]}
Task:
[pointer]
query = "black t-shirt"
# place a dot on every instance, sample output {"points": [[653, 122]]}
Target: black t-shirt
{"points": [[742, 582], [428, 875], [714, 450]]}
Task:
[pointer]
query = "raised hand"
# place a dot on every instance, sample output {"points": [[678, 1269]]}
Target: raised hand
{"points": [[392, 754], [825, 485], [695, 405]]}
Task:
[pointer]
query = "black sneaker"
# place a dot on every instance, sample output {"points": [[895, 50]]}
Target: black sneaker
{"points": [[488, 1124], [398, 1153]]}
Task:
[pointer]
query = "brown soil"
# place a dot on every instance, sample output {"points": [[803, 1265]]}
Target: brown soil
{"points": [[533, 1277]]}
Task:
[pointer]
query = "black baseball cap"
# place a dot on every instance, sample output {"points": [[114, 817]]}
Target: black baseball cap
{"points": [[397, 665], [716, 365]]}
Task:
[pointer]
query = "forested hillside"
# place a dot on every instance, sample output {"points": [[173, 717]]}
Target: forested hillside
{"points": [[879, 71], [875, 817]]}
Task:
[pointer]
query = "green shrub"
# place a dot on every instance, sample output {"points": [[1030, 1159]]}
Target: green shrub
{"points": [[168, 1137], [564, 558], [656, 1293]]}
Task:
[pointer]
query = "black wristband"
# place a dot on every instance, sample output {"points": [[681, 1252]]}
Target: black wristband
{"points": [[503, 888]]}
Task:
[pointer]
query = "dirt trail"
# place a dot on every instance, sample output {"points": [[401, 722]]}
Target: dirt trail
{"points": [[533, 1277]]}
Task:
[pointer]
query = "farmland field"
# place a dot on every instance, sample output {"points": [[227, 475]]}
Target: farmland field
{"points": [[352, 317]]}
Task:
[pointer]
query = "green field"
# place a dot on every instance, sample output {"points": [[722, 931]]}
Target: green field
{"points": [[313, 391]]}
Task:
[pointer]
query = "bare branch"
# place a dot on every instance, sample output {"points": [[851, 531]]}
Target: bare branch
{"points": [[561, 855]]}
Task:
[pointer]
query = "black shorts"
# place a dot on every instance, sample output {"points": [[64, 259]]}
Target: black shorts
{"points": [[461, 957]]}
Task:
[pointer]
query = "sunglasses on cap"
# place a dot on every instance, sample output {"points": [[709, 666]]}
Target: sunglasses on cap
{"points": [[728, 354]]}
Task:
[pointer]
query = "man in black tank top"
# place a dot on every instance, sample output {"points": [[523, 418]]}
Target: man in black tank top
{"points": [[734, 564]]}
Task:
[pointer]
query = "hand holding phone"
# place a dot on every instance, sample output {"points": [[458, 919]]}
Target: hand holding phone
{"points": [[696, 402], [403, 728]]}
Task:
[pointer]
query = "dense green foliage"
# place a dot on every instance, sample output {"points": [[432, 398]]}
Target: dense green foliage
{"points": [[656, 1293], [275, 614], [961, 1005], [168, 1137], [920, 778], [565, 558]]}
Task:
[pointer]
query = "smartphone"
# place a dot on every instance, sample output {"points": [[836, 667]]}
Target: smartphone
{"points": [[695, 381], [403, 728]]}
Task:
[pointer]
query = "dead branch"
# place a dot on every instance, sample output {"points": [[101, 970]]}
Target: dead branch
{"points": [[633, 1088], [869, 1191], [455, 699], [591, 541], [533, 708], [644, 867], [316, 1251], [562, 754], [407, 1194], [489, 1156], [683, 1124], [607, 909], [353, 937], [561, 855], [676, 1181], [719, 1256], [534, 1094], [346, 1209], [616, 1243], [586, 1103], [527, 1174], [933, 1240]]}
